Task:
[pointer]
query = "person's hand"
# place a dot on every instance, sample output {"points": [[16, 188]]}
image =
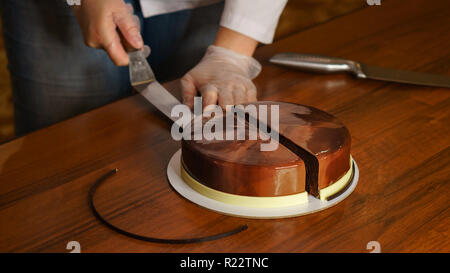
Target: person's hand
{"points": [[101, 21], [222, 76]]}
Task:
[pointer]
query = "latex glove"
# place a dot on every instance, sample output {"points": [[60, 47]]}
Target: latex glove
{"points": [[222, 76], [100, 21]]}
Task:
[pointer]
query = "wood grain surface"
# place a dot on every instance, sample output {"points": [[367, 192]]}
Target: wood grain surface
{"points": [[400, 137]]}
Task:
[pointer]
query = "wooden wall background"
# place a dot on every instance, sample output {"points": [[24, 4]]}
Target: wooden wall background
{"points": [[299, 14]]}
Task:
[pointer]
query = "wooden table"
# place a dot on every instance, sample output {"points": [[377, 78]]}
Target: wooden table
{"points": [[400, 137]]}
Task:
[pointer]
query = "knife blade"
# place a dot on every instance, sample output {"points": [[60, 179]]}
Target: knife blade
{"points": [[143, 80], [323, 64]]}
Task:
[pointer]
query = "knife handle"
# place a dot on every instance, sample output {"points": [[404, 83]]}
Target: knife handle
{"points": [[317, 63]]}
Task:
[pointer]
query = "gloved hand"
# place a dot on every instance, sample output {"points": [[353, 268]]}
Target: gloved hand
{"points": [[222, 76], [99, 20]]}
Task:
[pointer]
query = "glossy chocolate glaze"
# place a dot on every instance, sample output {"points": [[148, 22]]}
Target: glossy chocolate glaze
{"points": [[239, 167]]}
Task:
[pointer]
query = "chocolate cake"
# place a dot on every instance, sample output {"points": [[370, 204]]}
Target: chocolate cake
{"points": [[238, 167]]}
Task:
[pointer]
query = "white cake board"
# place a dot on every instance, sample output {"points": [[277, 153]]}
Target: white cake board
{"points": [[313, 204]]}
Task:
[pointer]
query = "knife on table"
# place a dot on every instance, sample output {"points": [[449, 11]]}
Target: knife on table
{"points": [[143, 80], [323, 64]]}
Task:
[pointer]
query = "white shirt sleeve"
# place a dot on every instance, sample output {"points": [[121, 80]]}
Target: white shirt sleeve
{"points": [[257, 19]]}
